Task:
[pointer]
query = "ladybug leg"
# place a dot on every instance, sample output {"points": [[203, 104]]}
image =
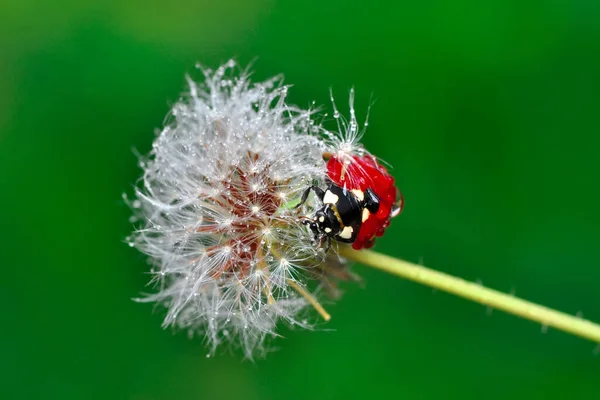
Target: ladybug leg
{"points": [[328, 244], [327, 240], [318, 239], [371, 201], [318, 191], [304, 197]]}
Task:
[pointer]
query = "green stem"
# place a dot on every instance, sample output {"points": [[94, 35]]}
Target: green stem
{"points": [[475, 292]]}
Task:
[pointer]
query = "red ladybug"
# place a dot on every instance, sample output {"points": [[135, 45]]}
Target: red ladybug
{"points": [[363, 173], [358, 204]]}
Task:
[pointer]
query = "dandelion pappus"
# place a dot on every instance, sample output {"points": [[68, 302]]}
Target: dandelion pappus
{"points": [[358, 204]]}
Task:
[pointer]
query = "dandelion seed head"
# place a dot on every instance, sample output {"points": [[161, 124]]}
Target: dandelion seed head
{"points": [[213, 206]]}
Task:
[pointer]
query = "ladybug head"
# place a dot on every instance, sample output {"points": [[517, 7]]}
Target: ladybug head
{"points": [[325, 223]]}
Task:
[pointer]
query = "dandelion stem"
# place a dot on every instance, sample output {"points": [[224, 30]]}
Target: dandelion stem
{"points": [[309, 297], [477, 293]]}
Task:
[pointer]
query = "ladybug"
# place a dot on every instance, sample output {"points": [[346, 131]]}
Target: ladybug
{"points": [[358, 204], [342, 214]]}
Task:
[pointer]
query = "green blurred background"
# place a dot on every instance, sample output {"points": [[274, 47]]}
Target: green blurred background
{"points": [[489, 112]]}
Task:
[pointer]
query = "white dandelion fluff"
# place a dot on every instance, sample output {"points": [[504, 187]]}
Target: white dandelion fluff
{"points": [[231, 256]]}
